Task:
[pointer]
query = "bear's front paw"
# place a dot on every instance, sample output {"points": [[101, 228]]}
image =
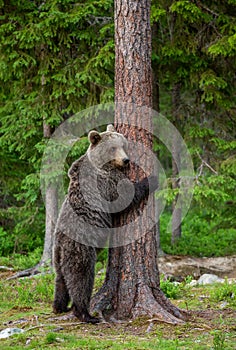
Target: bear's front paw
{"points": [[153, 183]]}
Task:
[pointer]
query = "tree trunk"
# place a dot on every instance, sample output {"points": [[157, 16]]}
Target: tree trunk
{"points": [[176, 212], [51, 198], [51, 216], [51, 209], [131, 287], [156, 107]]}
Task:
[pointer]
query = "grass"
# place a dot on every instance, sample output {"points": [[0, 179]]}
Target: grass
{"points": [[26, 304], [21, 261]]}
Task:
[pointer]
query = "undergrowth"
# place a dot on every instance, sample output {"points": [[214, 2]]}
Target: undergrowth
{"points": [[200, 238], [27, 304]]}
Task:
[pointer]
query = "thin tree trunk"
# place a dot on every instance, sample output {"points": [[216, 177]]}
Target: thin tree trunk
{"points": [[155, 69], [51, 208], [131, 286], [51, 197], [156, 107], [176, 212], [51, 211]]}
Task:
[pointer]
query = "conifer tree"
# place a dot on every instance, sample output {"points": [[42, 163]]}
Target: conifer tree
{"points": [[132, 286]]}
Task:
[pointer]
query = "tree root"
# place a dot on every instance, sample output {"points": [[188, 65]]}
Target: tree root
{"points": [[147, 303], [160, 308], [40, 268]]}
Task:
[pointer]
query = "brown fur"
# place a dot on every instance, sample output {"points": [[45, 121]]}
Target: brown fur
{"points": [[86, 216]]}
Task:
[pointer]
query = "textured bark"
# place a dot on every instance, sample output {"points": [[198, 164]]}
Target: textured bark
{"points": [[51, 208], [176, 216], [133, 52], [155, 70], [51, 196], [131, 286], [156, 107]]}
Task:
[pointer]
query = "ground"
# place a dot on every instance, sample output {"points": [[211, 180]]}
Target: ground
{"points": [[26, 304], [181, 266]]}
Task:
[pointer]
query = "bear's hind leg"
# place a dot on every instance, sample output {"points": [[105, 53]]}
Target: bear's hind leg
{"points": [[61, 296], [81, 296], [83, 315], [80, 286]]}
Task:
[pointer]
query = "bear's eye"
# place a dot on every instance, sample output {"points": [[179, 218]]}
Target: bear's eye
{"points": [[113, 149]]}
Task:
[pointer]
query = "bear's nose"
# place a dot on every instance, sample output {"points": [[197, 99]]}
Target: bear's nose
{"points": [[126, 161]]}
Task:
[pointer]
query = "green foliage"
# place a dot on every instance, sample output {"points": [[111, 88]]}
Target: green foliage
{"points": [[200, 236], [219, 341], [6, 242], [27, 292], [103, 255], [56, 58], [188, 10], [209, 228], [224, 292], [211, 86], [156, 12], [171, 290], [22, 261], [51, 338], [174, 290], [193, 46]]}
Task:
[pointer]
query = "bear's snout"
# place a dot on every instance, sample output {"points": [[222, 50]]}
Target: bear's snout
{"points": [[126, 161]]}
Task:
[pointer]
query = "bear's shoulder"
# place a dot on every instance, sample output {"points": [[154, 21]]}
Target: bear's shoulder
{"points": [[76, 165]]}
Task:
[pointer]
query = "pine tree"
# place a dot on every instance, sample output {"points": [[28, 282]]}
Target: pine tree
{"points": [[132, 286]]}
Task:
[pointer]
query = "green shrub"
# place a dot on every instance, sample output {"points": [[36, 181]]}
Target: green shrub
{"points": [[22, 261], [224, 292], [170, 289], [6, 242], [199, 238]]}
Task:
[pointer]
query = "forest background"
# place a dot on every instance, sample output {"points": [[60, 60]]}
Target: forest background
{"points": [[57, 58]]}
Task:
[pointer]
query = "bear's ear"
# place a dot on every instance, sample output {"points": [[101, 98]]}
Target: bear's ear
{"points": [[94, 137], [110, 127]]}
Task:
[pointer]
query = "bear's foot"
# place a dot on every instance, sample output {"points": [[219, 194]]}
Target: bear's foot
{"points": [[59, 308], [92, 320], [84, 316], [87, 318]]}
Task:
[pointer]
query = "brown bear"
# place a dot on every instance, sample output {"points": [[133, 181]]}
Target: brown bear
{"points": [[98, 192]]}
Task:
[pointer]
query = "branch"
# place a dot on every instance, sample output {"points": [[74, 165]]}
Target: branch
{"points": [[204, 163], [53, 325], [207, 9], [32, 271]]}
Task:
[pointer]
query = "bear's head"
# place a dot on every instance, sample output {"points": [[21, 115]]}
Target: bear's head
{"points": [[108, 148]]}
